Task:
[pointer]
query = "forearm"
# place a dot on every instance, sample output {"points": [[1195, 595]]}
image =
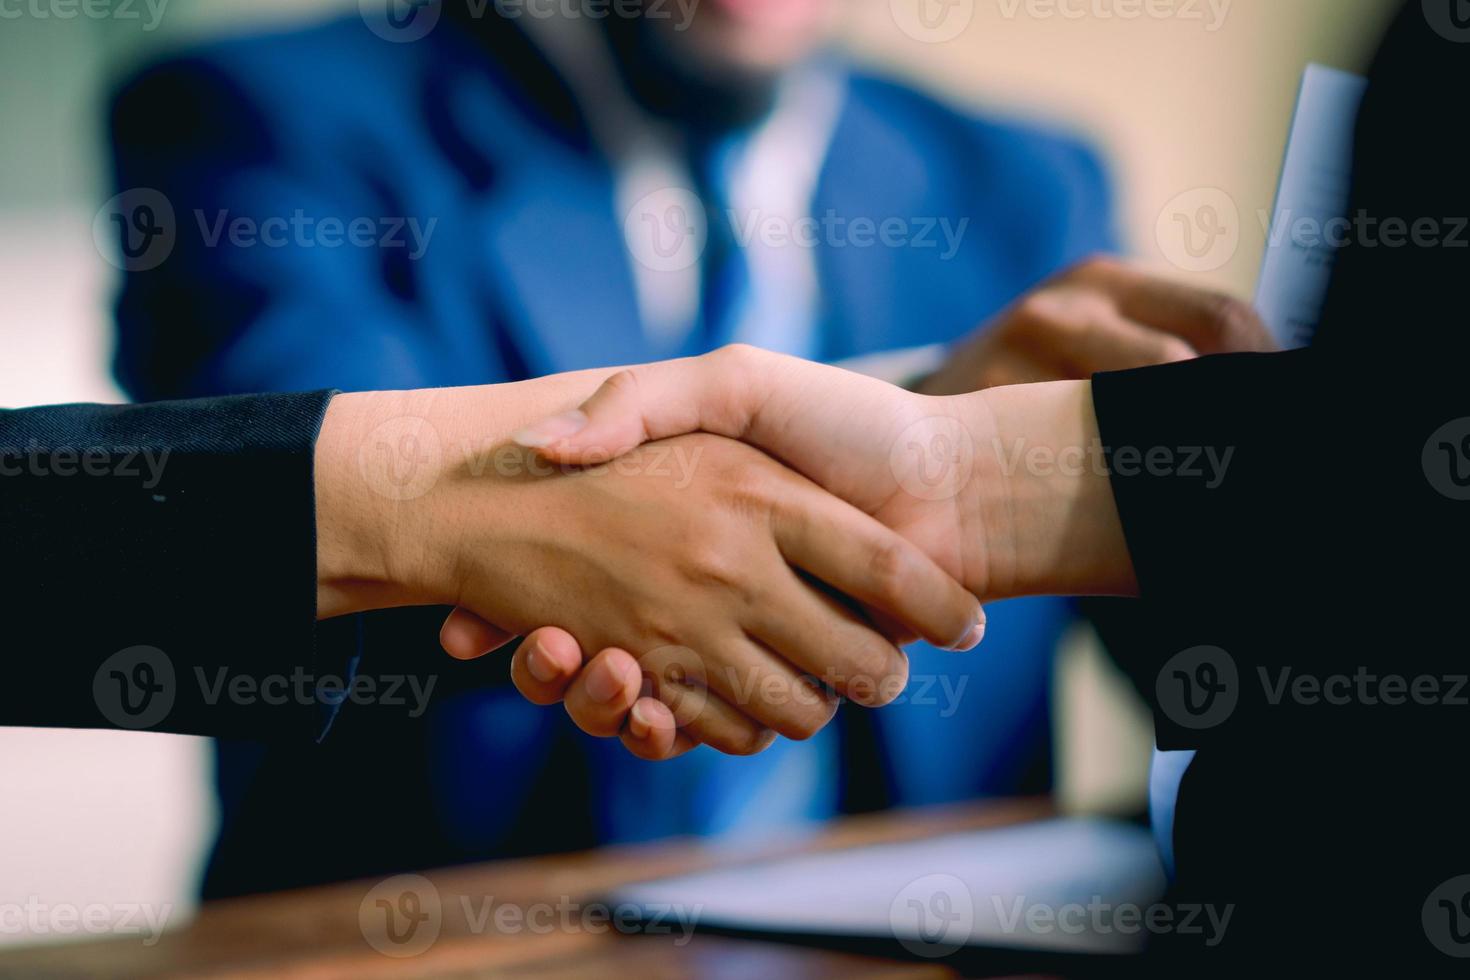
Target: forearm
{"points": [[383, 461], [1040, 497]]}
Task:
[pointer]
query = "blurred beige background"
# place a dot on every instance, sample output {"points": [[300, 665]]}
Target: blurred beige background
{"points": [[1197, 100]]}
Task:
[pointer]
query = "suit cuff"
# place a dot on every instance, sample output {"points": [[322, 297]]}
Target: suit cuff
{"points": [[170, 568]]}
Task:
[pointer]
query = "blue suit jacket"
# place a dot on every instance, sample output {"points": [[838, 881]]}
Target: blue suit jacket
{"points": [[526, 273]]}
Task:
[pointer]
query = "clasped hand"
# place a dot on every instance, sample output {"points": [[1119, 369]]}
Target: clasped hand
{"points": [[869, 456]]}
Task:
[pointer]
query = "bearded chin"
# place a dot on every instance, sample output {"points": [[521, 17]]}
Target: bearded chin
{"points": [[673, 79]]}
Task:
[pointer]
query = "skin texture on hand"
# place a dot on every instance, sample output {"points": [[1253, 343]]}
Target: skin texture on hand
{"points": [[699, 556], [959, 479], [949, 473]]}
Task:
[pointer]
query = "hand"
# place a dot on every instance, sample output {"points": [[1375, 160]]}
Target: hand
{"points": [[934, 468], [685, 554], [1101, 315]]}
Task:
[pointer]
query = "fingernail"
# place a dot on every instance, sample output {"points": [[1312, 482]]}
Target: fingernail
{"points": [[603, 686], [540, 665], [638, 723], [972, 639], [550, 430]]}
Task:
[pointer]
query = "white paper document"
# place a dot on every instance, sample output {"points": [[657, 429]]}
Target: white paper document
{"points": [[1070, 886], [1310, 220]]}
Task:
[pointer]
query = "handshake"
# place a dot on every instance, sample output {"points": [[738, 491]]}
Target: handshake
{"points": [[714, 550]]}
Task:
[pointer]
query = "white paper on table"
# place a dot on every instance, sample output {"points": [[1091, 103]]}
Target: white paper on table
{"points": [[1312, 200], [1052, 886]]}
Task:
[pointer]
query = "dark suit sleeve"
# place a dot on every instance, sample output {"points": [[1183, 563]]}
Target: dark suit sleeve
{"points": [[1325, 566], [1329, 489], [162, 566], [290, 303]]}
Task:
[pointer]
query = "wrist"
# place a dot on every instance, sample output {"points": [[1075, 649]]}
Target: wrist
{"points": [[404, 477], [377, 458], [1042, 500]]}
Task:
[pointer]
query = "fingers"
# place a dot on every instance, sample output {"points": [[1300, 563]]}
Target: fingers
{"points": [[678, 712], [840, 651], [716, 393], [465, 636], [652, 733], [605, 700], [602, 698], [545, 665], [1211, 322], [861, 558], [678, 677], [602, 695]]}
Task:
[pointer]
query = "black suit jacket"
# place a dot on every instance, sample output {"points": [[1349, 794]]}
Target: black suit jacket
{"points": [[161, 568], [1306, 596]]}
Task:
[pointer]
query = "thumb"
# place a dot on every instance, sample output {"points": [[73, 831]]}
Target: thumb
{"points": [[712, 393]]}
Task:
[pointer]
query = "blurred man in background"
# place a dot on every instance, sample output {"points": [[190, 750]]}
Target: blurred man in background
{"points": [[470, 192]]}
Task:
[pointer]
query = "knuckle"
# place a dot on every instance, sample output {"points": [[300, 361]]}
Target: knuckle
{"points": [[736, 353], [811, 708], [892, 682], [891, 568], [625, 382], [750, 486], [753, 740], [713, 567], [1032, 309], [595, 723], [1171, 349], [878, 672], [1098, 265], [1239, 328], [740, 737]]}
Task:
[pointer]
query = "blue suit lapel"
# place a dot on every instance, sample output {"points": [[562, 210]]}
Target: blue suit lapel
{"points": [[552, 250], [879, 297], [555, 251]]}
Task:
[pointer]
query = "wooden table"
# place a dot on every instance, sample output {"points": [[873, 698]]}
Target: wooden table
{"points": [[320, 932]]}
